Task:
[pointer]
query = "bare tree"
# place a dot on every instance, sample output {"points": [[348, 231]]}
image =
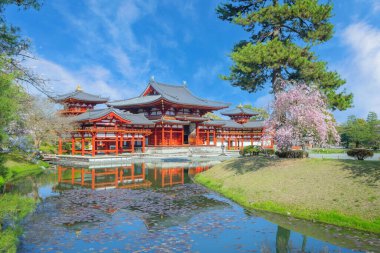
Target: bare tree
{"points": [[43, 123]]}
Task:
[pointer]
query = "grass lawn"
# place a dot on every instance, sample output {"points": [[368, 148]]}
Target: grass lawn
{"points": [[18, 166], [14, 207], [340, 192], [331, 151]]}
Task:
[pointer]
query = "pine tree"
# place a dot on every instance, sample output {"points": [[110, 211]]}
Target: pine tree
{"points": [[282, 35]]}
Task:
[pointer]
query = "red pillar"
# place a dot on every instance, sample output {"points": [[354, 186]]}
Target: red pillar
{"points": [[82, 177], [72, 175], [59, 173], [163, 135], [155, 136], [183, 136], [93, 179], [72, 145], [208, 137], [116, 143], [93, 151], [171, 136], [121, 143], [133, 143], [82, 144], [116, 177], [143, 144]]}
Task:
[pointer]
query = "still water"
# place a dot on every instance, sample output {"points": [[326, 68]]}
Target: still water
{"points": [[155, 207]]}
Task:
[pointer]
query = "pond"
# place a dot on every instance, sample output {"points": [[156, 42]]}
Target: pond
{"points": [[155, 207]]}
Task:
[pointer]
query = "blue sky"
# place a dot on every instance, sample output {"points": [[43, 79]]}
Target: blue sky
{"points": [[112, 48]]}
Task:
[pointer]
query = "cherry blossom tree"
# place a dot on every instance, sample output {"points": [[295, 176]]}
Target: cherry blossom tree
{"points": [[300, 116]]}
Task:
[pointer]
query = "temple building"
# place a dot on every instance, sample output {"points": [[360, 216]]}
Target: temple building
{"points": [[162, 116], [78, 102]]}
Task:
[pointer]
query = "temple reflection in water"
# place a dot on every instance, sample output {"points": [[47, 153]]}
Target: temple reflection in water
{"points": [[131, 176]]}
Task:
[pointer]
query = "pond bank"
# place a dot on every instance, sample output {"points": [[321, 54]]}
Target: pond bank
{"points": [[15, 207], [340, 192]]}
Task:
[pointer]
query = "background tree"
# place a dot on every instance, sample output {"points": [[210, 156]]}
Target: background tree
{"points": [[42, 122], [282, 35], [361, 132], [262, 113], [374, 128], [14, 47], [300, 117], [213, 116], [11, 100]]}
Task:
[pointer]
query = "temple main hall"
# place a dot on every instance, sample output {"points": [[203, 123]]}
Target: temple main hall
{"points": [[163, 116]]}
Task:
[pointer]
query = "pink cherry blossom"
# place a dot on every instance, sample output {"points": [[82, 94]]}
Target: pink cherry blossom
{"points": [[300, 116]]}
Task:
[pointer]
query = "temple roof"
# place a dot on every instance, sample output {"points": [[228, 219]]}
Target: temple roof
{"points": [[240, 110], [136, 119], [172, 93], [80, 95], [233, 124], [191, 118], [171, 121], [254, 124]]}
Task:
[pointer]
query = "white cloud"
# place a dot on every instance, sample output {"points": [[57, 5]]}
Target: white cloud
{"points": [[93, 79], [264, 101], [376, 5], [362, 68]]}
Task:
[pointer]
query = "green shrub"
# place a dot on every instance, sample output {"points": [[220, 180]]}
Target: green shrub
{"points": [[292, 154], [3, 169], [360, 153], [250, 150], [267, 151]]}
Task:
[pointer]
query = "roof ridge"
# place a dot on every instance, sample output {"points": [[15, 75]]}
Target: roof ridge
{"points": [[203, 99]]}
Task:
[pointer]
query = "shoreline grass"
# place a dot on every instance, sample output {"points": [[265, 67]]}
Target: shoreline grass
{"points": [[343, 193], [19, 167], [14, 207]]}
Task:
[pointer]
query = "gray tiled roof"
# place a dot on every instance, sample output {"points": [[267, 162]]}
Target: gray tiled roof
{"points": [[136, 119], [254, 124], [172, 93], [233, 124], [81, 96], [239, 110], [172, 121], [135, 101]]}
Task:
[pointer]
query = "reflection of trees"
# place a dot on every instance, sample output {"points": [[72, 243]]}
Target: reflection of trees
{"points": [[282, 240], [304, 241]]}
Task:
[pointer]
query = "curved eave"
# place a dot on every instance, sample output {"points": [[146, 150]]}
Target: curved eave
{"points": [[66, 100], [155, 102], [239, 114]]}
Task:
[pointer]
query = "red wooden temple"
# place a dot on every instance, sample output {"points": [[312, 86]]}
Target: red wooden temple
{"points": [[162, 116]]}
